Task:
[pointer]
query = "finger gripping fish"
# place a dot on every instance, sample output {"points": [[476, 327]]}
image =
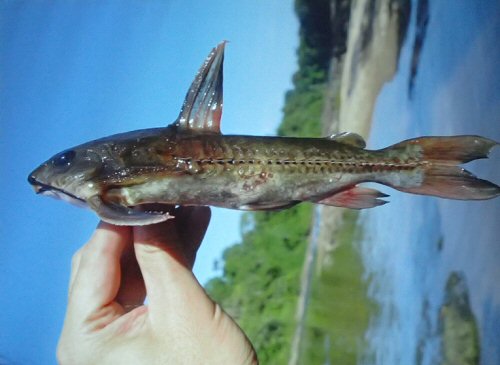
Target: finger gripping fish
{"points": [[191, 163]]}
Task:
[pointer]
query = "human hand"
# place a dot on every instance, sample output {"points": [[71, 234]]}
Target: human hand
{"points": [[107, 321]]}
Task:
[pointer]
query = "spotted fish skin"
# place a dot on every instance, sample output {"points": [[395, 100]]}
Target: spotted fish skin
{"points": [[242, 172], [191, 163], [245, 172]]}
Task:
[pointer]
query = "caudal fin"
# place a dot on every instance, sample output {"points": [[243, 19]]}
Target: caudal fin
{"points": [[436, 172], [448, 150], [453, 182]]}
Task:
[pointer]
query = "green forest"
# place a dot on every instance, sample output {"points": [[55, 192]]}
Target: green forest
{"points": [[260, 284]]}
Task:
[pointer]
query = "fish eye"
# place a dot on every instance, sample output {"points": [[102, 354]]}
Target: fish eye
{"points": [[64, 159]]}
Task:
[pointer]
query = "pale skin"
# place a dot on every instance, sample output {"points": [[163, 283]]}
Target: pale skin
{"points": [[107, 321]]}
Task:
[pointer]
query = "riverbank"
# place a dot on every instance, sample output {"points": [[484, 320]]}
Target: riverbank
{"points": [[279, 281], [375, 34], [355, 80]]}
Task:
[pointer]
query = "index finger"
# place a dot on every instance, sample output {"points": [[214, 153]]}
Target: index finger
{"points": [[97, 279], [166, 252]]}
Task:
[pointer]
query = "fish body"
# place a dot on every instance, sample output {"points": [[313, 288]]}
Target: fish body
{"points": [[191, 163]]}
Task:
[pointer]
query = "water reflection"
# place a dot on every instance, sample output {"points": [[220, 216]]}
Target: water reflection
{"points": [[422, 21], [416, 245]]}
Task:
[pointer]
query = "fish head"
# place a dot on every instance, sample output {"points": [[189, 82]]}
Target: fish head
{"points": [[68, 175]]}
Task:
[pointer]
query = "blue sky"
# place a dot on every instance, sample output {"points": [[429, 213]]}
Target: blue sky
{"points": [[73, 71]]}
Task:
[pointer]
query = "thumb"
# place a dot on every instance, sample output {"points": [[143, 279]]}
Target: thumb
{"points": [[180, 311]]}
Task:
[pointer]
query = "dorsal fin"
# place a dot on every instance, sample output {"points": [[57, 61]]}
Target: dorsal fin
{"points": [[352, 139], [202, 108]]}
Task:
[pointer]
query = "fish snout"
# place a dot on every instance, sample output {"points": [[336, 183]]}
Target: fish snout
{"points": [[37, 186], [35, 179], [32, 179]]}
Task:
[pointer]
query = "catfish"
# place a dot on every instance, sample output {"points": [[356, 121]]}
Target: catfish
{"points": [[190, 162]]}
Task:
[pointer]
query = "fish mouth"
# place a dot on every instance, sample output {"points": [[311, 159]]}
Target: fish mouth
{"points": [[41, 188]]}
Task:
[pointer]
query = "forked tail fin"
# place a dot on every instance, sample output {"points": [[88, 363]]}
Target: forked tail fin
{"points": [[435, 171]]}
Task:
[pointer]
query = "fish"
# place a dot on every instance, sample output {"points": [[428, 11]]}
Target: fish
{"points": [[190, 162]]}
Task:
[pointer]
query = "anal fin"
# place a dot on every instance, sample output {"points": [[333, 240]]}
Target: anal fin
{"points": [[355, 198]]}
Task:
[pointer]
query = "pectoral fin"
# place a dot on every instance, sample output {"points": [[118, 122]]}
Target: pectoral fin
{"points": [[355, 198], [124, 216], [268, 206], [202, 108]]}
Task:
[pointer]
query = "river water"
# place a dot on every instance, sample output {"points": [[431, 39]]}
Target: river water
{"points": [[412, 245]]}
